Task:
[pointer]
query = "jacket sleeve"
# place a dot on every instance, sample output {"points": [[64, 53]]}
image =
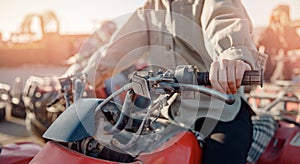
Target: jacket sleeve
{"points": [[126, 46], [227, 29]]}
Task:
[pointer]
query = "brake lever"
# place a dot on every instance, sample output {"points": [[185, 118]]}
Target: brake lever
{"points": [[143, 86], [228, 98]]}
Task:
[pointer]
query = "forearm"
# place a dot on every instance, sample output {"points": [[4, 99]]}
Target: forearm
{"points": [[227, 30]]}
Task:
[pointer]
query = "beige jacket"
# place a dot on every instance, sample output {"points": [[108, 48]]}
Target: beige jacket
{"points": [[194, 32]]}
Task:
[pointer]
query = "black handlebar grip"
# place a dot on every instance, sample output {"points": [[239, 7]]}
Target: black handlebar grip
{"points": [[254, 77]]}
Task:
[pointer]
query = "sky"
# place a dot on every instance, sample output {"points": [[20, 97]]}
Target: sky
{"points": [[78, 16], [81, 16]]}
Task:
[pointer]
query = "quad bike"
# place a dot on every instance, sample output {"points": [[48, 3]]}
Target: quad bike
{"points": [[18, 108], [47, 97], [38, 92], [149, 133], [5, 98], [45, 101], [95, 130]]}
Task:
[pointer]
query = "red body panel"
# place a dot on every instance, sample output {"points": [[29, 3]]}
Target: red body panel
{"points": [[280, 150], [19, 153], [184, 150]]}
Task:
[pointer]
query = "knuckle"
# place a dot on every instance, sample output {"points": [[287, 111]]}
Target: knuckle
{"points": [[225, 62], [231, 84], [240, 63]]}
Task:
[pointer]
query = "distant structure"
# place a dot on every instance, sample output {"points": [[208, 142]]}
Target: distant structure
{"points": [[38, 41], [277, 40]]}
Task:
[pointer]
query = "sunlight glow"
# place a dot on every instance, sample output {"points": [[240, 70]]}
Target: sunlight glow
{"points": [[77, 16]]}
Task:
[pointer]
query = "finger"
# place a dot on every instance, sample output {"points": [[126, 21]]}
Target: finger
{"points": [[241, 67], [223, 76], [231, 78], [223, 80], [213, 76], [239, 73]]}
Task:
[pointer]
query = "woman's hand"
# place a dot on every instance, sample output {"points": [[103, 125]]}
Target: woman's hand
{"points": [[226, 75]]}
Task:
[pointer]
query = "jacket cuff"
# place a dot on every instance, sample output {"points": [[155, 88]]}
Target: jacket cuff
{"points": [[253, 57]]}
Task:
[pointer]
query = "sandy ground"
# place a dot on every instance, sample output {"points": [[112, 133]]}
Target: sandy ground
{"points": [[13, 129]]}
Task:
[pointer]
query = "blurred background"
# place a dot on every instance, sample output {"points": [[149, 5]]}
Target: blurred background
{"points": [[25, 41], [39, 37], [49, 32]]}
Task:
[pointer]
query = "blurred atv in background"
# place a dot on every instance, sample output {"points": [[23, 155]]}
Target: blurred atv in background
{"points": [[38, 92], [11, 100], [46, 98], [4, 99]]}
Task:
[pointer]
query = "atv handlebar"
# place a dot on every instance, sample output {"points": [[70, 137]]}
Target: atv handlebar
{"points": [[253, 77], [163, 84], [184, 78]]}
